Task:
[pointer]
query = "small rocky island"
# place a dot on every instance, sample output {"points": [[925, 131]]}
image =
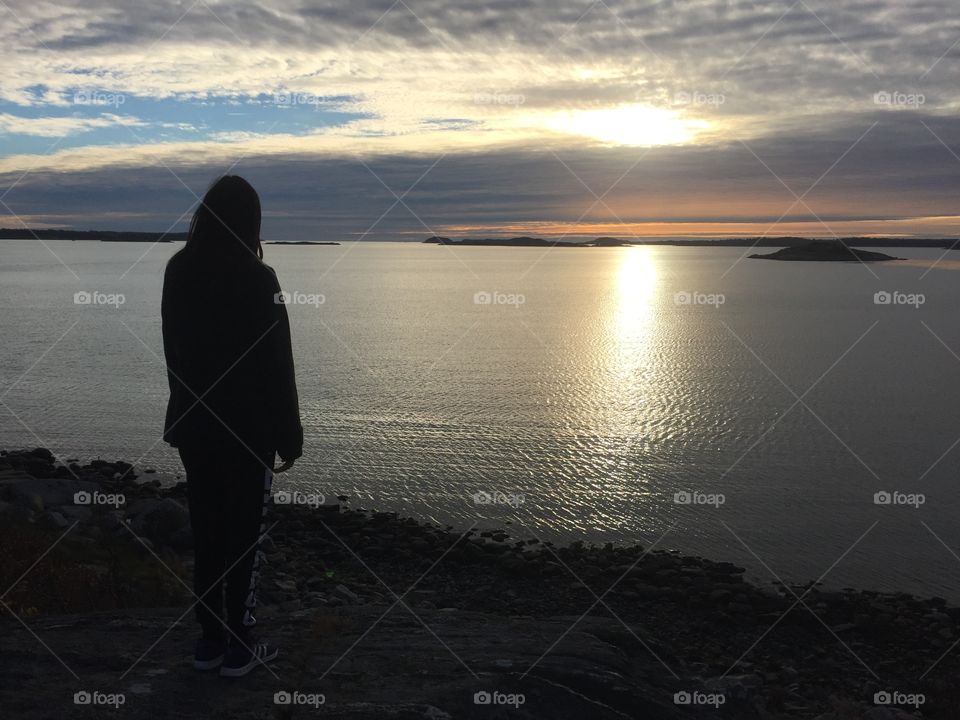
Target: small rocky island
{"points": [[825, 251]]}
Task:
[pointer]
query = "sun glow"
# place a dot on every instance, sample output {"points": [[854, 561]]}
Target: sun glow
{"points": [[629, 125]]}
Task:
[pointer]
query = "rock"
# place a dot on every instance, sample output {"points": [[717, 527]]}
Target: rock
{"points": [[884, 713], [286, 585], [55, 520], [346, 594], [740, 687], [159, 520], [83, 513], [44, 493]]}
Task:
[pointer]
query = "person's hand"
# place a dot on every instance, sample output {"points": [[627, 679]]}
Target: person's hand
{"points": [[284, 466]]}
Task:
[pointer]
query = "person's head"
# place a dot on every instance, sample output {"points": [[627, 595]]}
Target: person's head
{"points": [[227, 221]]}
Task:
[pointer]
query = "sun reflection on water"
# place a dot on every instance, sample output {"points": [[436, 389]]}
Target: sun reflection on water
{"points": [[634, 313]]}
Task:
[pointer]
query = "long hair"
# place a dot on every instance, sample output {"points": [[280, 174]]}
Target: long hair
{"points": [[226, 224]]}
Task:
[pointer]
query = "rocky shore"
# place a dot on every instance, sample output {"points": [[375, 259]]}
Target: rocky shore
{"points": [[488, 615]]}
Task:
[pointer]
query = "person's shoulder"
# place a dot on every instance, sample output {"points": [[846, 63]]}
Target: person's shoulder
{"points": [[265, 274], [177, 264]]}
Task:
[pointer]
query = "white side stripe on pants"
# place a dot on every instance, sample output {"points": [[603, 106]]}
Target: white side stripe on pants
{"points": [[250, 604]]}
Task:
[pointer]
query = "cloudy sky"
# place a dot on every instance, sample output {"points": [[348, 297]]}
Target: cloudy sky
{"points": [[396, 120]]}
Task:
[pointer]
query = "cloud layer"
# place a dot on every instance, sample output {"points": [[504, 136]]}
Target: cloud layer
{"points": [[528, 109]]}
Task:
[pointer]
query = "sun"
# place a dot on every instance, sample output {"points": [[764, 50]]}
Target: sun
{"points": [[635, 124]]}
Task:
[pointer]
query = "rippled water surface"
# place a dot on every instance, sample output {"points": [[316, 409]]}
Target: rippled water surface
{"points": [[597, 398]]}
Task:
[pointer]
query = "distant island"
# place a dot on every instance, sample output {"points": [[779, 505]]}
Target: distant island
{"points": [[101, 235], [119, 236], [824, 251], [299, 242], [762, 242], [526, 241]]}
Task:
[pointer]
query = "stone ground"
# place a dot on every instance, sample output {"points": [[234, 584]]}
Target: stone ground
{"points": [[428, 666], [579, 631]]}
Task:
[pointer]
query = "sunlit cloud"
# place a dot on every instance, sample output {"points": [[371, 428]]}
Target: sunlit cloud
{"points": [[123, 85]]}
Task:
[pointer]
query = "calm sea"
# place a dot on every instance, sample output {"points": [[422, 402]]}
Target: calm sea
{"points": [[583, 390]]}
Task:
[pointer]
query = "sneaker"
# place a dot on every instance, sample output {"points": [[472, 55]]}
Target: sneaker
{"points": [[208, 654], [240, 660]]}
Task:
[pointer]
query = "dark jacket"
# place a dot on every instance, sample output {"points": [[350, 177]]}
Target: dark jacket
{"points": [[226, 338]]}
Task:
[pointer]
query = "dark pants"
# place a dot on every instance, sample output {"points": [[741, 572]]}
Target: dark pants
{"points": [[227, 490]]}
